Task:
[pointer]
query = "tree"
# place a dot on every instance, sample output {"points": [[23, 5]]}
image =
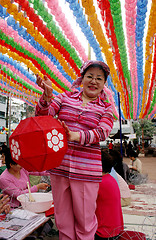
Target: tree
{"points": [[29, 112], [145, 127]]}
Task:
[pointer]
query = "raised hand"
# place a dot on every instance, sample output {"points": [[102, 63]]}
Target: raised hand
{"points": [[46, 85]]}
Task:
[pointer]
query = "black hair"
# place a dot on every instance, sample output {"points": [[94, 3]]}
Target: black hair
{"points": [[107, 162], [94, 65], [116, 156], [118, 162], [132, 153], [8, 158]]}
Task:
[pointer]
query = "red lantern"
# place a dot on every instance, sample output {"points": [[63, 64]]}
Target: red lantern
{"points": [[25, 5], [38, 143], [31, 14]]}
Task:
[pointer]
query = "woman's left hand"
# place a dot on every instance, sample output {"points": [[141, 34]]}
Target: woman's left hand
{"points": [[4, 207], [43, 186], [72, 136]]}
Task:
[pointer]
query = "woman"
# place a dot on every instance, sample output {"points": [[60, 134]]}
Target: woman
{"points": [[87, 119], [118, 162], [124, 191], [2, 164], [109, 211], [136, 176], [135, 163], [13, 181]]}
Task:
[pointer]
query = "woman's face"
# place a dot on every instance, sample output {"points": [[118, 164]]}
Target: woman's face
{"points": [[132, 158], [3, 158], [93, 82], [16, 167]]}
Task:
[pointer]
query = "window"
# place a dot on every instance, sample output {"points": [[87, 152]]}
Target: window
{"points": [[2, 99], [2, 114], [124, 121]]}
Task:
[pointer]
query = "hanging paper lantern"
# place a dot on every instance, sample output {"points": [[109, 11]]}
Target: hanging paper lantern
{"points": [[38, 143]]}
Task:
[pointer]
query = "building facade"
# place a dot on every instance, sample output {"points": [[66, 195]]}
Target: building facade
{"points": [[16, 113], [3, 105]]}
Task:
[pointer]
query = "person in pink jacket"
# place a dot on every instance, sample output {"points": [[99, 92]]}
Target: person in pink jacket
{"points": [[13, 181], [88, 119]]}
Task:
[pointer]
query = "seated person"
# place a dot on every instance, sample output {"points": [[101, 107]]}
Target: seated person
{"points": [[118, 162], [2, 163], [113, 173], [135, 163], [124, 192], [4, 207], [109, 211], [136, 176], [13, 181], [126, 171]]}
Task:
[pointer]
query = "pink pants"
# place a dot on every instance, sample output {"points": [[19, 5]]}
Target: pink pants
{"points": [[74, 206]]}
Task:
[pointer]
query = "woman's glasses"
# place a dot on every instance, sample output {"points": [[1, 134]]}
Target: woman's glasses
{"points": [[97, 79]]}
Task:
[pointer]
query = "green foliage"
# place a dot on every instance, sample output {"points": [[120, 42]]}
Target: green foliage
{"points": [[30, 109], [148, 126]]}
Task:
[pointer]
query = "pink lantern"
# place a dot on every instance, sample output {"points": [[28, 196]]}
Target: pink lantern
{"points": [[38, 143]]}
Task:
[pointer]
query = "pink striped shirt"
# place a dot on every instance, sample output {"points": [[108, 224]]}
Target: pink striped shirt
{"points": [[94, 122]]}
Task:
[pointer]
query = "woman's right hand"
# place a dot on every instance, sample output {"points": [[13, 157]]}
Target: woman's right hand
{"points": [[72, 136], [43, 186], [46, 85]]}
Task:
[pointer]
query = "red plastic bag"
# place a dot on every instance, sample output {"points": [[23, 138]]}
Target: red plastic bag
{"points": [[38, 143]]}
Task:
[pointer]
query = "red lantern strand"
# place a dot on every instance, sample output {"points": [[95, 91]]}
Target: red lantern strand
{"points": [[109, 26], [153, 83], [37, 22]]}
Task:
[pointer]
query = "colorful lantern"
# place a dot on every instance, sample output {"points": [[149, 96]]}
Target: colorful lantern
{"points": [[38, 143]]}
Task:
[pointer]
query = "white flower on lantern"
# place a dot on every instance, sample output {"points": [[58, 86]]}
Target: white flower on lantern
{"points": [[15, 149], [55, 140]]}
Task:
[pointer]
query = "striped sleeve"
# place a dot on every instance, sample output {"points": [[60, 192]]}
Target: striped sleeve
{"points": [[101, 132], [48, 108]]}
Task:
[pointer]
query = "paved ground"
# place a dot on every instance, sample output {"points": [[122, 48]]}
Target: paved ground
{"points": [[140, 220], [144, 201]]}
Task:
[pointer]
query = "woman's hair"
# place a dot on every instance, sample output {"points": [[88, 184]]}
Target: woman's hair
{"points": [[95, 65], [107, 162], [8, 158], [132, 154], [118, 162], [116, 156]]}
